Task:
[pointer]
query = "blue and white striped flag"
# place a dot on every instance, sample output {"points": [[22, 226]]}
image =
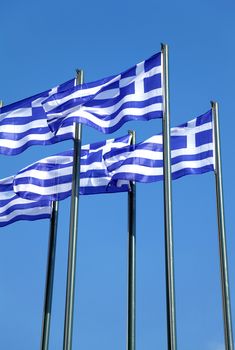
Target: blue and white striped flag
{"points": [[13, 208], [107, 104], [24, 123], [192, 152], [51, 177]]}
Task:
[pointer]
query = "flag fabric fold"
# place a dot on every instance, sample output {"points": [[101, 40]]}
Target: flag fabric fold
{"points": [[192, 152], [24, 123], [13, 208], [51, 177], [107, 104]]}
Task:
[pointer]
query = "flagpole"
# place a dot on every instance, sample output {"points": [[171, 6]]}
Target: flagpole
{"points": [[49, 277], [228, 332], [169, 251], [72, 250], [131, 321]]}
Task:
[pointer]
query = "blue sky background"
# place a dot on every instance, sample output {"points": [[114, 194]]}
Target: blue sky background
{"points": [[41, 45]]}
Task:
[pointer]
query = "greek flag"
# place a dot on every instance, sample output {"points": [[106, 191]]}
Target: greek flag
{"points": [[107, 104], [24, 123], [192, 152], [14, 208], [51, 177]]}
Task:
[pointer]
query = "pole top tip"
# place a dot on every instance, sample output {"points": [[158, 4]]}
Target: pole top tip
{"points": [[79, 76], [213, 103], [164, 46]]}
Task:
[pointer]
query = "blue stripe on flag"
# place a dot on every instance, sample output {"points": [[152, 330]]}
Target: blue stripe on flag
{"points": [[152, 83], [205, 118], [204, 137], [152, 62]]}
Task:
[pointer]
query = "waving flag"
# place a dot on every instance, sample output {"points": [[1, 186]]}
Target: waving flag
{"points": [[191, 153], [14, 208], [24, 123], [107, 104], [51, 178]]}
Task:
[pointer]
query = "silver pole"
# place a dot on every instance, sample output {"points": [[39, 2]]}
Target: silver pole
{"points": [[228, 332], [169, 251], [72, 250], [131, 321], [49, 278]]}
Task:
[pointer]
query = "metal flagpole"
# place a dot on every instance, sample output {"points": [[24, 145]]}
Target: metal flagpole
{"points": [[131, 321], [169, 257], [72, 250], [228, 332], [49, 277]]}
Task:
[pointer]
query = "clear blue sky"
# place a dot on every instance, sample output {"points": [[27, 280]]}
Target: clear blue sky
{"points": [[41, 45]]}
